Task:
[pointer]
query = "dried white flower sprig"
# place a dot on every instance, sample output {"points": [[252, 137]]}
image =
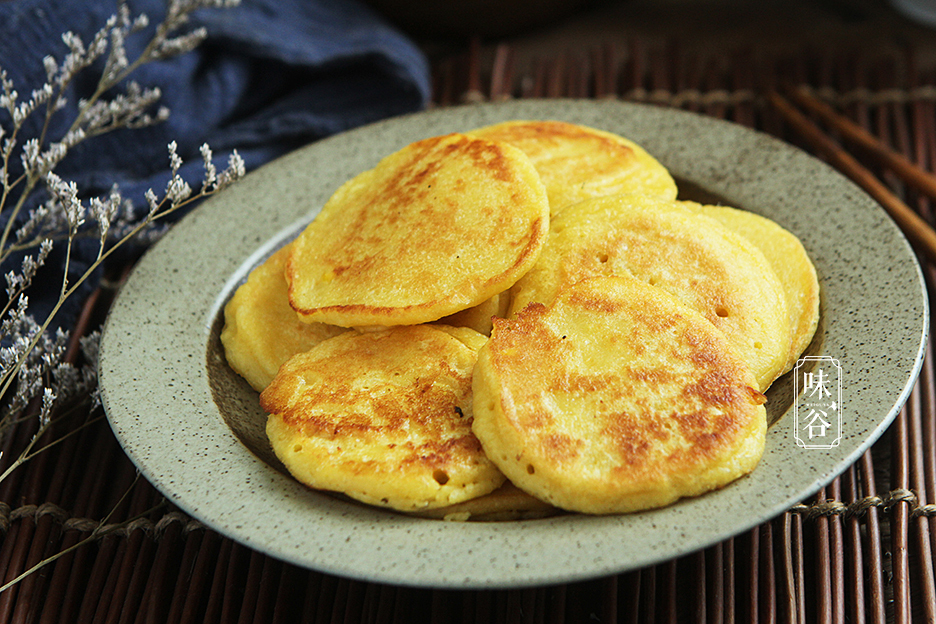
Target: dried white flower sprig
{"points": [[35, 379]]}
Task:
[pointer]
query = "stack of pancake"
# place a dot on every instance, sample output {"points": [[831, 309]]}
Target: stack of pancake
{"points": [[518, 320]]}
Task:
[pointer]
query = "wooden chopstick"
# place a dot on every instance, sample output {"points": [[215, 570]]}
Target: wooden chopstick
{"points": [[902, 166], [913, 226]]}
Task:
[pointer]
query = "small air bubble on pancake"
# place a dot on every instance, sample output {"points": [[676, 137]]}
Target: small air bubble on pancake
{"points": [[722, 312], [530, 469], [440, 476]]}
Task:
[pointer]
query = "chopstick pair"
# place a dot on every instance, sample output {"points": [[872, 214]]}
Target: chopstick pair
{"points": [[912, 224]]}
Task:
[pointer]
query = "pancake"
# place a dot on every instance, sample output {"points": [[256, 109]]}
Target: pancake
{"points": [[479, 317], [261, 331], [508, 502], [614, 399], [576, 162], [383, 417], [694, 258], [437, 227], [790, 262]]}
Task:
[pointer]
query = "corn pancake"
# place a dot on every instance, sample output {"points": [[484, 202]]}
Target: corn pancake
{"points": [[508, 502], [260, 330], [437, 227], [576, 162], [614, 399], [383, 417], [694, 258], [479, 317], [790, 262]]}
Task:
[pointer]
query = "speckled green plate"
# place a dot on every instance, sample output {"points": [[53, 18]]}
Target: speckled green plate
{"points": [[195, 429]]}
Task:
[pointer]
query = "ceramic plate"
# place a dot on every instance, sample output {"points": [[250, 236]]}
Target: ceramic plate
{"points": [[195, 429]]}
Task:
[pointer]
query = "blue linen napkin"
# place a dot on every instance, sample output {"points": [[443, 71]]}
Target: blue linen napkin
{"points": [[272, 75]]}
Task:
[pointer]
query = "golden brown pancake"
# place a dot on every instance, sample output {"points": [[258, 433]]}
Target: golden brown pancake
{"points": [[383, 417], [508, 502], [437, 227], [576, 162], [616, 398], [790, 262], [261, 331], [694, 258], [479, 317]]}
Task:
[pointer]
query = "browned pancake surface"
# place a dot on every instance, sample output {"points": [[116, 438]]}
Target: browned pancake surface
{"points": [[384, 417], [577, 162], [437, 227], [692, 257], [790, 261], [614, 399], [261, 331]]}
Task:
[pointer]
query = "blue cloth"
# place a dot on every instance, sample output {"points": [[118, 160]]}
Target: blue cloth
{"points": [[272, 75]]}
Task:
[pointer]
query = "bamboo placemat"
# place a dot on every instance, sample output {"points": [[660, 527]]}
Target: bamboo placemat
{"points": [[860, 551]]}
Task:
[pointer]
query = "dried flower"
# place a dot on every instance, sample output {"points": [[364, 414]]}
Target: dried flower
{"points": [[34, 374], [19, 282], [32, 364]]}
